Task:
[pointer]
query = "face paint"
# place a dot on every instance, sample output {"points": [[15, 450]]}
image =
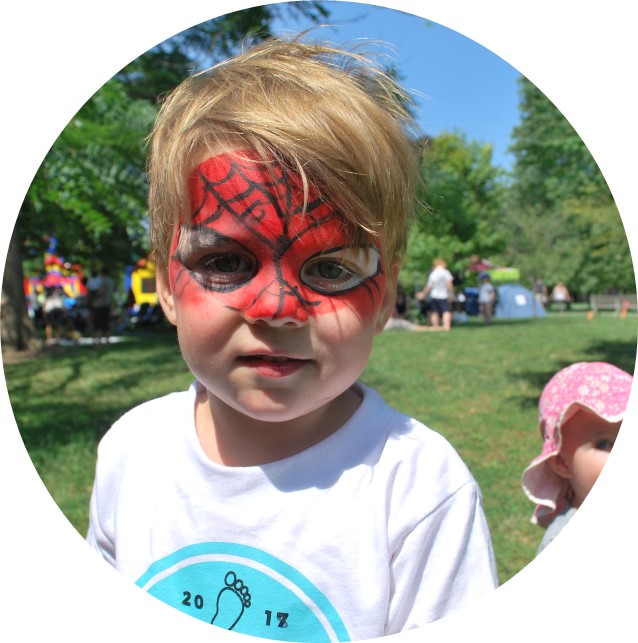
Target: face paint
{"points": [[252, 244]]}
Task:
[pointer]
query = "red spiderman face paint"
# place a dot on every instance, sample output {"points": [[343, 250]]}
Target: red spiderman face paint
{"points": [[275, 313], [251, 243]]}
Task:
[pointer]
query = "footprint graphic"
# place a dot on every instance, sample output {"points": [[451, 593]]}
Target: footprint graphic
{"points": [[231, 602]]}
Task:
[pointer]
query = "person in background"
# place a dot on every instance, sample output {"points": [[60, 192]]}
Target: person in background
{"points": [[102, 305], [486, 297], [93, 290], [54, 313], [540, 291], [439, 288], [402, 303], [560, 297], [580, 412]]}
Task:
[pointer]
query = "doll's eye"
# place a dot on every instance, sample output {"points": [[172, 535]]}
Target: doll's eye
{"points": [[340, 270], [604, 444]]}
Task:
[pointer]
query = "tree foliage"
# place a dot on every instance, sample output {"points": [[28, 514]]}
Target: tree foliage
{"points": [[90, 191], [462, 197], [563, 223]]}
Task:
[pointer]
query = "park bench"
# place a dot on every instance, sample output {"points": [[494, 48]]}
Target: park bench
{"points": [[612, 302]]}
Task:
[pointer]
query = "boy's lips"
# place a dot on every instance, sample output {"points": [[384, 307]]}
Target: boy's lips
{"points": [[273, 365]]}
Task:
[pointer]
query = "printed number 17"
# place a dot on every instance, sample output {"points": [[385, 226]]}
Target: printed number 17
{"points": [[281, 616]]}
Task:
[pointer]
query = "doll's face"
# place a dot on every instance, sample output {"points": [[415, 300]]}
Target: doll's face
{"points": [[587, 442], [267, 295]]}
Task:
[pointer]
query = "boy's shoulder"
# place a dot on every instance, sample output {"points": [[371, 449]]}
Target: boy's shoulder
{"points": [[419, 467], [419, 450], [149, 422]]}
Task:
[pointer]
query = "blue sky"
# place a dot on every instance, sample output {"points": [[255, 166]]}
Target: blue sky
{"points": [[461, 85]]}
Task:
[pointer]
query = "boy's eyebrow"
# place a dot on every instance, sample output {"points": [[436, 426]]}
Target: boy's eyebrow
{"points": [[200, 236]]}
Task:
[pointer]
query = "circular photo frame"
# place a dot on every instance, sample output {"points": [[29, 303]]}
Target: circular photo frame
{"points": [[56, 55]]}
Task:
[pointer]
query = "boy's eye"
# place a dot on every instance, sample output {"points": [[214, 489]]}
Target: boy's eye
{"points": [[216, 262], [223, 272], [329, 270], [604, 444], [340, 270], [225, 263]]}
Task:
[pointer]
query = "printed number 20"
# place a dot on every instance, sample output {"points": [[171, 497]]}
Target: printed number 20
{"points": [[198, 600]]}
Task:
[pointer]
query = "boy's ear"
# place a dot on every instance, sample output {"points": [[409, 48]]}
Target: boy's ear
{"points": [[390, 296], [165, 295], [560, 466]]}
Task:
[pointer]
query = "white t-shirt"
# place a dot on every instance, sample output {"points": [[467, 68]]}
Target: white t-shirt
{"points": [[439, 279], [486, 293], [376, 529]]}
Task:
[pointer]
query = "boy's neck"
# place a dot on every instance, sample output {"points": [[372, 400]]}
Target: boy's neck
{"points": [[231, 438]]}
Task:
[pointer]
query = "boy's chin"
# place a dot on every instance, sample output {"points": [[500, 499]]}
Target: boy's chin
{"points": [[275, 409], [292, 408]]}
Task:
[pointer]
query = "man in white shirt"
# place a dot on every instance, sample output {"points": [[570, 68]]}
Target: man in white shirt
{"points": [[440, 288]]}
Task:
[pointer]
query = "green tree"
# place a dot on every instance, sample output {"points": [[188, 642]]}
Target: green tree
{"points": [[562, 220], [605, 258], [90, 191], [165, 65], [462, 196]]}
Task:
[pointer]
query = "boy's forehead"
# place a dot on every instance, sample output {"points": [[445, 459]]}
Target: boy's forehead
{"points": [[236, 176], [236, 190]]}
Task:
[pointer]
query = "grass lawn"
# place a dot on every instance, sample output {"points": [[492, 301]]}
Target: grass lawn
{"points": [[478, 386]]}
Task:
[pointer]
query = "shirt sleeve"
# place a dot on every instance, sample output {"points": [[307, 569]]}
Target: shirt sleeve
{"points": [[111, 460], [443, 563], [96, 535]]}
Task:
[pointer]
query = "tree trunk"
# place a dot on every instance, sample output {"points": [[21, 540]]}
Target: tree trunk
{"points": [[17, 329]]}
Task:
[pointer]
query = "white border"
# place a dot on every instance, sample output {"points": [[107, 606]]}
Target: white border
{"points": [[55, 55]]}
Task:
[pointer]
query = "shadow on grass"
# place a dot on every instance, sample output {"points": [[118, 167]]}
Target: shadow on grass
{"points": [[619, 353], [88, 388], [477, 324]]}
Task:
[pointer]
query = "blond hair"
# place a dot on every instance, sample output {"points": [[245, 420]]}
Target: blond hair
{"points": [[333, 116]]}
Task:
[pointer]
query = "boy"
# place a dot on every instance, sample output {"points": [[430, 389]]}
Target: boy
{"points": [[279, 497]]}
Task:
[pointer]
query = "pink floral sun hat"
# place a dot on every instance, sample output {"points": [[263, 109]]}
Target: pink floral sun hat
{"points": [[598, 387]]}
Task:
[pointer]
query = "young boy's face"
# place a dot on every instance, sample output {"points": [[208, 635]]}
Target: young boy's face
{"points": [[275, 314], [587, 442]]}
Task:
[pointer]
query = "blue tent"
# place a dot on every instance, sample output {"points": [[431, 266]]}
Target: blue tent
{"points": [[516, 301]]}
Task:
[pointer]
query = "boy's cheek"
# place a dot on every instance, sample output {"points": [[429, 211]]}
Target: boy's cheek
{"points": [[368, 297], [185, 290]]}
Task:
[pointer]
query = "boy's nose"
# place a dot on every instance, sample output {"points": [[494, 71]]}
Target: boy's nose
{"points": [[281, 309]]}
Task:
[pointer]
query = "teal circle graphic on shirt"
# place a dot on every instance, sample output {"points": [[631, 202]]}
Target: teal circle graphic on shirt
{"points": [[246, 590]]}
